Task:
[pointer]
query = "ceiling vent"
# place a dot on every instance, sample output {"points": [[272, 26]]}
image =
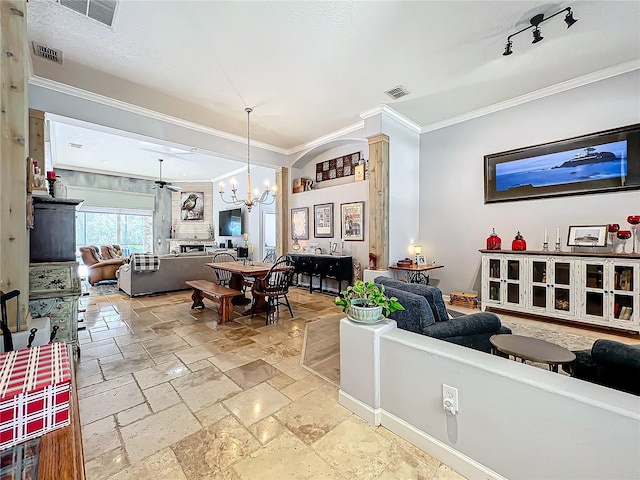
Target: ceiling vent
{"points": [[47, 52], [101, 10], [397, 92]]}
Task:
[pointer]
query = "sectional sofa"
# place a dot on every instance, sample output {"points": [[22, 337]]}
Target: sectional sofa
{"points": [[175, 269]]}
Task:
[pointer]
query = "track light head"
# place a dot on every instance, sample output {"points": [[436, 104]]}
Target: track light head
{"points": [[537, 35], [507, 48], [569, 20]]}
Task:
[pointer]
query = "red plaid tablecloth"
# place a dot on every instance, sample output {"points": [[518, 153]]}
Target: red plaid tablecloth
{"points": [[35, 386]]}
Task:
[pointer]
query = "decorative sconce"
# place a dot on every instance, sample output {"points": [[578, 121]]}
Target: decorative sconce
{"points": [[535, 24]]}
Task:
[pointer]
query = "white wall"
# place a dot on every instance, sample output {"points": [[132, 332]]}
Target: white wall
{"points": [[338, 191], [455, 222], [404, 188], [404, 183]]}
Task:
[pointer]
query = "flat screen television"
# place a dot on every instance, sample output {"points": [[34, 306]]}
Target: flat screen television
{"points": [[230, 223]]}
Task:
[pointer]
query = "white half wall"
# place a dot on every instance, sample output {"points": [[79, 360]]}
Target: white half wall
{"points": [[455, 222], [519, 421], [514, 420]]}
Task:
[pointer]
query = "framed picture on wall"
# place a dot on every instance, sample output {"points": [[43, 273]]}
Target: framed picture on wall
{"points": [[605, 161], [323, 220], [192, 206], [352, 221], [300, 223]]}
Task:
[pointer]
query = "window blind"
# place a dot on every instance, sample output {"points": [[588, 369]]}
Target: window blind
{"points": [[96, 199]]}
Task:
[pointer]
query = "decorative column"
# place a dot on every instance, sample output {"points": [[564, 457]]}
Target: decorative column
{"points": [[282, 211], [36, 138], [14, 239], [378, 218]]}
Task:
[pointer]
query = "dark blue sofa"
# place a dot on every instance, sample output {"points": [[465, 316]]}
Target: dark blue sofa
{"points": [[425, 313], [609, 363]]}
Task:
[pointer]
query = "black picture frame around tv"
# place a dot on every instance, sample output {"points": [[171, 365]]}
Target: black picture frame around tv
{"points": [[230, 223], [605, 161]]}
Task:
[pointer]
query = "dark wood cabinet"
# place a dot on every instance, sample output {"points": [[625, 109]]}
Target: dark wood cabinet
{"points": [[323, 266], [53, 238]]}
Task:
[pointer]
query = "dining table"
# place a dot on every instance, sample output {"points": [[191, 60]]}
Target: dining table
{"points": [[241, 271]]}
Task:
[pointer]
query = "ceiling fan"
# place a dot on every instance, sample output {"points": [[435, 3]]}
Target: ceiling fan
{"points": [[161, 183]]}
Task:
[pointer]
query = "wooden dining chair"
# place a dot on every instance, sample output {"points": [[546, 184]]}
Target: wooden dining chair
{"points": [[274, 286], [4, 324], [224, 276]]}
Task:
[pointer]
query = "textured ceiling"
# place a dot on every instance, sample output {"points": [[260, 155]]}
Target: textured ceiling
{"points": [[309, 68]]}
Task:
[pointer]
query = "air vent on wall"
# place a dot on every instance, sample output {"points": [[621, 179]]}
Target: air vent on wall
{"points": [[397, 92], [101, 10], [47, 52]]}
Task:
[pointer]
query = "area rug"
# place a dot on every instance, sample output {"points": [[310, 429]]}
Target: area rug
{"points": [[321, 348], [107, 287]]}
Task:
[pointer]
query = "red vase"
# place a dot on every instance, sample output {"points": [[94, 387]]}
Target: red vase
{"points": [[493, 241], [518, 243]]}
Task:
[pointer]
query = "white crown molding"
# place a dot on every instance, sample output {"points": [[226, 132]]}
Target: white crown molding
{"points": [[538, 94], [327, 138], [390, 112], [128, 107]]}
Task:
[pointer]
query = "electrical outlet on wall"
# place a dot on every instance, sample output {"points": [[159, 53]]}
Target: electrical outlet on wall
{"points": [[449, 399]]}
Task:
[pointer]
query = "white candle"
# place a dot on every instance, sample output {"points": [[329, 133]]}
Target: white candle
{"points": [[558, 235], [546, 236]]}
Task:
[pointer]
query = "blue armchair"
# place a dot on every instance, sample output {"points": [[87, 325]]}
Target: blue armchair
{"points": [[425, 313]]}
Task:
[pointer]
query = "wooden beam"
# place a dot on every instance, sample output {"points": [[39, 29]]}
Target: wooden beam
{"points": [[36, 138], [282, 211], [14, 240], [378, 208]]}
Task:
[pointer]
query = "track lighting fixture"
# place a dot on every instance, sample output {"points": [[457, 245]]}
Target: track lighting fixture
{"points": [[537, 33]]}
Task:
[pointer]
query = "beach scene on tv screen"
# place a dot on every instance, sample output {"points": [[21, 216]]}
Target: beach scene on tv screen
{"points": [[597, 162]]}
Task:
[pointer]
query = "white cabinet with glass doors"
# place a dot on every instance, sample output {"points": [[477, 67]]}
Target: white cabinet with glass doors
{"points": [[599, 289]]}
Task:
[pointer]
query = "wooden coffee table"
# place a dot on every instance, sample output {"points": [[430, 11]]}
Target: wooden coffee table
{"points": [[533, 349]]}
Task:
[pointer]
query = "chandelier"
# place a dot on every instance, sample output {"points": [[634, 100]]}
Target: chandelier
{"points": [[257, 198]]}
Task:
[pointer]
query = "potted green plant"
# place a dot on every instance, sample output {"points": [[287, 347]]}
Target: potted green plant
{"points": [[366, 302]]}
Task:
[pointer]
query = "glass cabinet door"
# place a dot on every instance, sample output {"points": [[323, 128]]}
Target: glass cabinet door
{"points": [[595, 294], [513, 281], [539, 286], [495, 276], [562, 279], [623, 288]]}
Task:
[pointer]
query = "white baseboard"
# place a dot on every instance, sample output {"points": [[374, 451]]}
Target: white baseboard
{"points": [[364, 411], [437, 449]]}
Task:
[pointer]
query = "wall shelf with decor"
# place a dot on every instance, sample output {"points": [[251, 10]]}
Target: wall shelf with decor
{"points": [[600, 289]]}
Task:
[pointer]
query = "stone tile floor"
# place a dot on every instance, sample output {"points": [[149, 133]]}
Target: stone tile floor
{"points": [[168, 393]]}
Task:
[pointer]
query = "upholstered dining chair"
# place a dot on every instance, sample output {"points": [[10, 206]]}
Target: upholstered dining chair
{"points": [[224, 276], [99, 269], [274, 286]]}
